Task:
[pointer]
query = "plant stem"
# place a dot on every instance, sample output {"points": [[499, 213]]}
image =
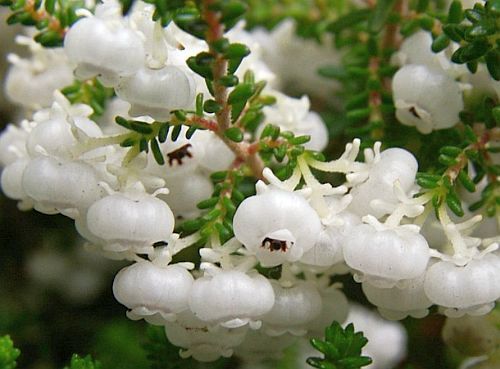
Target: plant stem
{"points": [[216, 32]]}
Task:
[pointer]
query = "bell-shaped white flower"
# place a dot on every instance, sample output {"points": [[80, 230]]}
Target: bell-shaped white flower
{"points": [[232, 298], [61, 186], [276, 226], [387, 341], [394, 165], [12, 183], [383, 257], [31, 82], [200, 341], [397, 302], [327, 250], [186, 192], [335, 307], [58, 130], [154, 293], [294, 308], [130, 221], [12, 144], [416, 49], [426, 98], [156, 92], [104, 46], [470, 289], [292, 114], [217, 155]]}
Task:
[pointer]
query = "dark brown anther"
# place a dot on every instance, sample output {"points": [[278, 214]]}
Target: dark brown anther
{"points": [[274, 245], [160, 243], [179, 154], [414, 112]]}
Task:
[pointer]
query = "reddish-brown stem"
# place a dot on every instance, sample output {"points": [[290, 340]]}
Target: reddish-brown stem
{"points": [[216, 32]]}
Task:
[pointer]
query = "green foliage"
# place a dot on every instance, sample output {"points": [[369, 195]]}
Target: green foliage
{"points": [[90, 92], [52, 19], [341, 349], [86, 362], [219, 209], [476, 30], [8, 353]]}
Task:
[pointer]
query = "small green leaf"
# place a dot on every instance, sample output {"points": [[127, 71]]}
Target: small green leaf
{"points": [[123, 122], [163, 132], [380, 14], [440, 43], [236, 50], [49, 38], [50, 6], [349, 20], [333, 72], [422, 6], [471, 51], [211, 106], [232, 10], [141, 127], [190, 132], [492, 59], [451, 151], [453, 202], [180, 115], [208, 203], [230, 80], [128, 142], [241, 93], [234, 134], [158, 155], [199, 104], [176, 131], [455, 14], [465, 180], [218, 176], [358, 114]]}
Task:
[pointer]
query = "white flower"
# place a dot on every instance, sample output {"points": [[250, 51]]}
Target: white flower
{"points": [[416, 49], [385, 256], [12, 144], [292, 114], [426, 98], [470, 289], [12, 183], [154, 293], [31, 82], [386, 340], [186, 192], [327, 250], [57, 185], [232, 298], [130, 221], [103, 46], [335, 307], [394, 165], [294, 309], [276, 226], [201, 342], [156, 92], [398, 302]]}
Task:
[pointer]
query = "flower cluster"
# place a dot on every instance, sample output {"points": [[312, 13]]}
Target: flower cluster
{"points": [[133, 188]]}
